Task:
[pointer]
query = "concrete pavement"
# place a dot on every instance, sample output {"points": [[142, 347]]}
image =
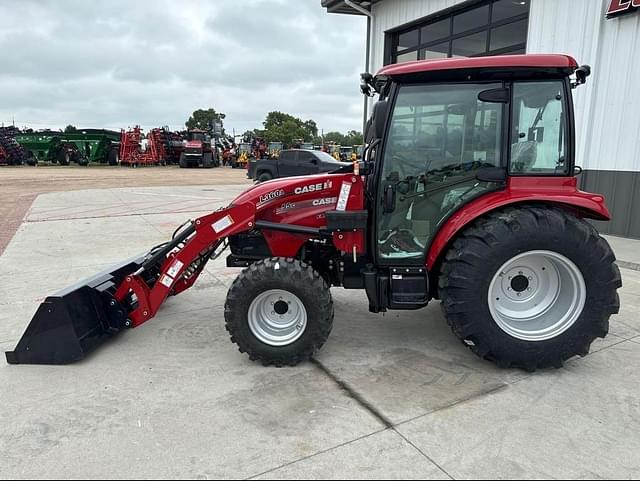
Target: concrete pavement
{"points": [[390, 396]]}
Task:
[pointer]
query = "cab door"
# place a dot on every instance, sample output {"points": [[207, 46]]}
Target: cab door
{"points": [[439, 137]]}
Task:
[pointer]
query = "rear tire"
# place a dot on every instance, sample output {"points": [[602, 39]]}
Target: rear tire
{"points": [[207, 161], [490, 261], [183, 162], [63, 157], [301, 319], [113, 156], [264, 177]]}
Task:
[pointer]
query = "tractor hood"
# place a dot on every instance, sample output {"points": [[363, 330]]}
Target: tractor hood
{"points": [[194, 144], [304, 200]]}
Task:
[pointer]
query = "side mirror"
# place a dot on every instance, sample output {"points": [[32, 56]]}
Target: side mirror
{"points": [[581, 75], [380, 111]]}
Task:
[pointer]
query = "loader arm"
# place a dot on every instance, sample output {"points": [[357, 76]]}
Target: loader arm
{"points": [[181, 261]]}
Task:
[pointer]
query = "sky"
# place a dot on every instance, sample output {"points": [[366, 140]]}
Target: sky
{"points": [[120, 63]]}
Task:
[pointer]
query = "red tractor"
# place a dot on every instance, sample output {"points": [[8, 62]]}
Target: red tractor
{"points": [[467, 193], [198, 151]]}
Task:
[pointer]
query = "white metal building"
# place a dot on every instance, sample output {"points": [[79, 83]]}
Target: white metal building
{"points": [[604, 34]]}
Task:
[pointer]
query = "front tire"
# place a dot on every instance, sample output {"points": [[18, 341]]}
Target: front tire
{"points": [[279, 311], [530, 287]]}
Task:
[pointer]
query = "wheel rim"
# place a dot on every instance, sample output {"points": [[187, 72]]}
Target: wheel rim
{"points": [[537, 295], [277, 317]]}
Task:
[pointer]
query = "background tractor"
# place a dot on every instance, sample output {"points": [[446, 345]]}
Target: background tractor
{"points": [[244, 155], [467, 193], [198, 151]]}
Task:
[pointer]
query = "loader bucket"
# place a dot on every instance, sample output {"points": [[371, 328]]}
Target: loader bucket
{"points": [[73, 322]]}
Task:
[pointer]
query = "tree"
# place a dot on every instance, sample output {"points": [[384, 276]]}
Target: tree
{"points": [[334, 138], [204, 120], [285, 128], [352, 137], [70, 129]]}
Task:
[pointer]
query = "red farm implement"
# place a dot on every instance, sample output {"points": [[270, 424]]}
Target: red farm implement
{"points": [[132, 152]]}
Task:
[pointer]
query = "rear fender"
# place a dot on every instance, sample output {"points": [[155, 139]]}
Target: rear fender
{"points": [[559, 191]]}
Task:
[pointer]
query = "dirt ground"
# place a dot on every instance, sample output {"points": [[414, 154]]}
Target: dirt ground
{"points": [[19, 186]]}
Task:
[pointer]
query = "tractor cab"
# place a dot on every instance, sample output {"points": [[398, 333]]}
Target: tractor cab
{"points": [[274, 149], [197, 141], [358, 150], [243, 155], [443, 138], [346, 154]]}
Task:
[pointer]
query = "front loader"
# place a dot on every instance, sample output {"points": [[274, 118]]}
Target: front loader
{"points": [[466, 193]]}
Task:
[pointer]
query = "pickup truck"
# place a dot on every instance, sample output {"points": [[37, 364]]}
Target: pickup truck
{"points": [[292, 163]]}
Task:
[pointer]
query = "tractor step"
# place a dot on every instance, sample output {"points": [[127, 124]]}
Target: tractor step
{"points": [[75, 321]]}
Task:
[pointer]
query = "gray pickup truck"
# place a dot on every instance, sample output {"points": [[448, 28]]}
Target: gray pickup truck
{"points": [[293, 162]]}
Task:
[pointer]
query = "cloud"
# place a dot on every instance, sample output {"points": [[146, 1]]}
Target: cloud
{"points": [[120, 63]]}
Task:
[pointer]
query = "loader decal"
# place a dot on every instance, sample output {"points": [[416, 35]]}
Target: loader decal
{"points": [[175, 268], [344, 196], [270, 196], [166, 281], [222, 224]]}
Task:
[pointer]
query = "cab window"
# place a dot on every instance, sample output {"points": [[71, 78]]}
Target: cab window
{"points": [[539, 129]]}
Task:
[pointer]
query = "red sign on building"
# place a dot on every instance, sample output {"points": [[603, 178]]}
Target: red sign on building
{"points": [[621, 7]]}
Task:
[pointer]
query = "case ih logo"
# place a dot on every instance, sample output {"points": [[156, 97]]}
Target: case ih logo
{"points": [[621, 7], [313, 188]]}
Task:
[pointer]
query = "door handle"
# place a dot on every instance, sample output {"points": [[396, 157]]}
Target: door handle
{"points": [[389, 199]]}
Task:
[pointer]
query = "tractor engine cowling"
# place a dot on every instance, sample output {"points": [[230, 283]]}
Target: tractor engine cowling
{"points": [[291, 211]]}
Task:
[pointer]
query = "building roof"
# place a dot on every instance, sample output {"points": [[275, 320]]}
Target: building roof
{"points": [[551, 61], [340, 6]]}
